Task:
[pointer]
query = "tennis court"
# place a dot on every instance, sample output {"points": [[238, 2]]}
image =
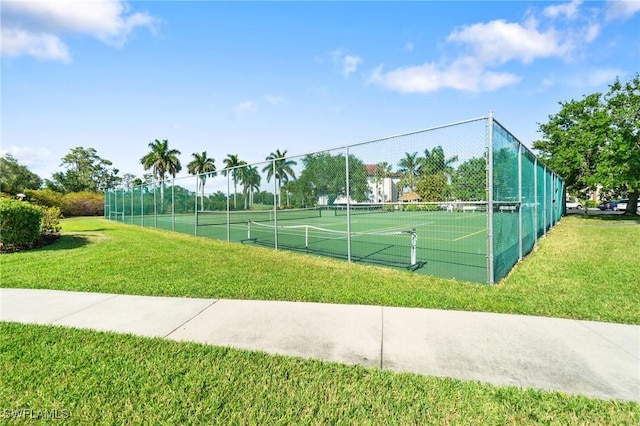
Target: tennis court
{"points": [[465, 201], [444, 243]]}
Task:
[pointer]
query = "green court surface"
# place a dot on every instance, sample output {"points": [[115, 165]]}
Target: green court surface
{"points": [[447, 244]]}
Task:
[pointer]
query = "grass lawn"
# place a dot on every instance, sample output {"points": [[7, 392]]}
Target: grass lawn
{"points": [[586, 268], [104, 378]]}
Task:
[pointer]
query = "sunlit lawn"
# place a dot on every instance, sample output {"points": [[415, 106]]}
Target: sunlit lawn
{"points": [[586, 268]]}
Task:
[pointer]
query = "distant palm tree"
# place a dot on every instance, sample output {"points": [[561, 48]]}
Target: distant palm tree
{"points": [[250, 179], [161, 160], [203, 167], [381, 173], [283, 170], [435, 162], [409, 169], [232, 163]]}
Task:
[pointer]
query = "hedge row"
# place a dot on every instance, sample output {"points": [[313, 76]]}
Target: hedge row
{"points": [[22, 223], [72, 204], [19, 223]]}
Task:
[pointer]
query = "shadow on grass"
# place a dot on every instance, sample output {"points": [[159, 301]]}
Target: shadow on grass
{"points": [[67, 242], [608, 219]]}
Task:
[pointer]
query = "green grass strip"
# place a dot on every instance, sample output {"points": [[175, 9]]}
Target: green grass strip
{"points": [[586, 268], [103, 378]]}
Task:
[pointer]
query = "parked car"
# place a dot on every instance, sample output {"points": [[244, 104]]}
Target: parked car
{"points": [[572, 204], [609, 205], [622, 205]]}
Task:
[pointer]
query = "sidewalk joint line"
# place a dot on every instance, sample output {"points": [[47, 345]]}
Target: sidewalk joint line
{"points": [[85, 308], [634, 356], [190, 319]]}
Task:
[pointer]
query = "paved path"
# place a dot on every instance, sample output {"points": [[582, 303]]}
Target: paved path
{"points": [[579, 357]]}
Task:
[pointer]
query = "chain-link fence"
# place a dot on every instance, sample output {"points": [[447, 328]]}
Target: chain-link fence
{"points": [[464, 201]]}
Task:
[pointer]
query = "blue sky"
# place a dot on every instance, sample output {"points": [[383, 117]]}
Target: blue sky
{"points": [[248, 78]]}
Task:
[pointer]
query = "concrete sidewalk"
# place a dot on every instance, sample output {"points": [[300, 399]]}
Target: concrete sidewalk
{"points": [[579, 357]]}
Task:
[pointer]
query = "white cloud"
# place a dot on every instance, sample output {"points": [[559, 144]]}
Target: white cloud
{"points": [[38, 160], [569, 10], [622, 9], [348, 64], [274, 99], [501, 41], [27, 26], [475, 53], [465, 74], [244, 107], [409, 46], [16, 42], [602, 76]]}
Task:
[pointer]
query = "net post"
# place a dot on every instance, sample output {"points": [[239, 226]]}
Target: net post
{"points": [[306, 237], [414, 246], [248, 229]]}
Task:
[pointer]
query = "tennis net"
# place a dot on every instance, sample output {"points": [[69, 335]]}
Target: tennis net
{"points": [[220, 217], [391, 247]]}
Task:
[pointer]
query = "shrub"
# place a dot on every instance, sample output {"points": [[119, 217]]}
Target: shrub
{"points": [[44, 197], [412, 208], [83, 204], [50, 223], [19, 223]]}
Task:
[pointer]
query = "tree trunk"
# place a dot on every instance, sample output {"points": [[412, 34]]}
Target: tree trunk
{"points": [[632, 205]]}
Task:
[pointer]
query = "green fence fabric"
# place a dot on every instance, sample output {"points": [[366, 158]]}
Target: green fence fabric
{"points": [[422, 202]]}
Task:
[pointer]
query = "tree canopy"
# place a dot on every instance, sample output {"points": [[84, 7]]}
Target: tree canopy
{"points": [[595, 141], [15, 178], [85, 171]]}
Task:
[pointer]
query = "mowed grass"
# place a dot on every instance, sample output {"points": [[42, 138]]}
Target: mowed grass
{"points": [[103, 378], [586, 268]]}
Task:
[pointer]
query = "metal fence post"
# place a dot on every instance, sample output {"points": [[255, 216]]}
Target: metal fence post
{"points": [[348, 206], [275, 204], [520, 234], [490, 259]]}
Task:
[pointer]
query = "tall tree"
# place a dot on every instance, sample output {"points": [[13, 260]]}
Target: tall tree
{"points": [[595, 141], [283, 170], [202, 166], [435, 171], [470, 181], [324, 176], [409, 170], [162, 160], [381, 172], [85, 171], [250, 179], [232, 165], [15, 178]]}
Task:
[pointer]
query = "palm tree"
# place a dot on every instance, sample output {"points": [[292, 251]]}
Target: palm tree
{"points": [[381, 173], [203, 167], [250, 179], [435, 162], [233, 163], [161, 160], [283, 170], [409, 169]]}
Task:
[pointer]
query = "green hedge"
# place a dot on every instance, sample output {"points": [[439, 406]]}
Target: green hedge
{"points": [[73, 204], [19, 223], [50, 223]]}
